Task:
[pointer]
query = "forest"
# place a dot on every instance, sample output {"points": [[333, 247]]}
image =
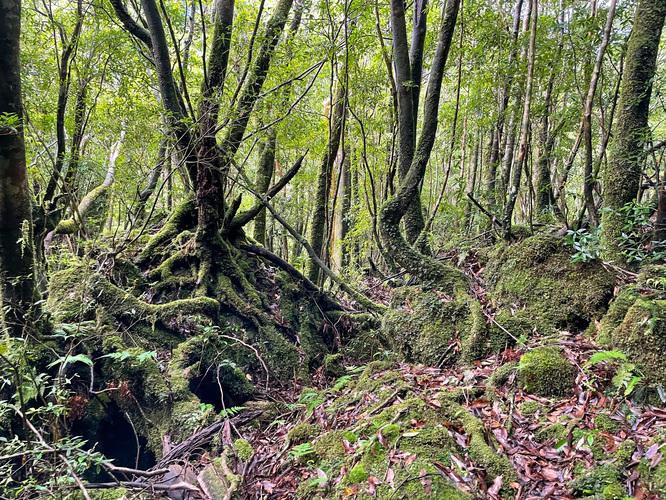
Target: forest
{"points": [[332, 249]]}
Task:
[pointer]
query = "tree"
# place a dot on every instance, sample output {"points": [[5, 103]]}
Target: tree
{"points": [[16, 244], [623, 174]]}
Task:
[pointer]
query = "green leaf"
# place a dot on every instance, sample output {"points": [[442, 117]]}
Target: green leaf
{"points": [[598, 357]]}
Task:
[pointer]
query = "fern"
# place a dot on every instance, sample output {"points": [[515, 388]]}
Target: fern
{"points": [[598, 357]]}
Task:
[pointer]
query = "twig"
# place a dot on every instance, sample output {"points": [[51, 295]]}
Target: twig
{"points": [[136, 472], [412, 479], [143, 486], [41, 440], [256, 353]]}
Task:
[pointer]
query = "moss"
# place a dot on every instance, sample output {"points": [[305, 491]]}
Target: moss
{"points": [[333, 366], [479, 450], [538, 273], [594, 480], [642, 337], [518, 323], [614, 491], [302, 433], [243, 449], [111, 494], [554, 431], [544, 372], [420, 325], [358, 474], [624, 453], [329, 445], [615, 315], [603, 422], [529, 408]]}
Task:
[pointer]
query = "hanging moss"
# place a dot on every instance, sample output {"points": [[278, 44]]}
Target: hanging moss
{"points": [[544, 372], [538, 273]]}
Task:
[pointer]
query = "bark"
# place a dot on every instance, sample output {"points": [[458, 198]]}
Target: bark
{"points": [[525, 123], [408, 71], [63, 94], [130, 24], [263, 181], [623, 174], [72, 225], [16, 239], [318, 225], [505, 94], [341, 252], [395, 208], [589, 180]]}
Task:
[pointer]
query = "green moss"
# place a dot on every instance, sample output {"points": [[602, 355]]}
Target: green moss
{"points": [[420, 324], [530, 407], [642, 337], [614, 491], [329, 445], [519, 324], [594, 480], [544, 372], [615, 315], [538, 273], [603, 422], [333, 366], [652, 276], [624, 453], [243, 449], [554, 431], [358, 474], [302, 433]]}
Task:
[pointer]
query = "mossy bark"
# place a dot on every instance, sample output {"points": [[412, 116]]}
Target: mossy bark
{"points": [[265, 170], [16, 228], [623, 174], [320, 213]]}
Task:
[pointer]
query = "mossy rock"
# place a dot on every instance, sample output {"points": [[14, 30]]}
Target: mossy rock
{"points": [[243, 449], [616, 312], [595, 480], [558, 293], [652, 276], [529, 408], [302, 433], [603, 422], [642, 337], [544, 372], [333, 366], [519, 324], [421, 323]]}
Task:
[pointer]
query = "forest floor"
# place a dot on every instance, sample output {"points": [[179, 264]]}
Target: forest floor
{"points": [[544, 439]]}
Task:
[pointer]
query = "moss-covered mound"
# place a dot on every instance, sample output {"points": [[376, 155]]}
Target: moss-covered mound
{"points": [[539, 274], [545, 372], [432, 327], [642, 337], [381, 435]]}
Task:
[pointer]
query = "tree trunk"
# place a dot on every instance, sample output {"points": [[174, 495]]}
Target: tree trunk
{"points": [[623, 174], [588, 184], [16, 231], [395, 208], [263, 181], [318, 225], [525, 124]]}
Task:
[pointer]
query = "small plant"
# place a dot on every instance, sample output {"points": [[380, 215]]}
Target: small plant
{"points": [[301, 450], [586, 244]]}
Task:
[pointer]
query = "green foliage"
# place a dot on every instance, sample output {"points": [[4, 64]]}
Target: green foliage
{"points": [[586, 244]]}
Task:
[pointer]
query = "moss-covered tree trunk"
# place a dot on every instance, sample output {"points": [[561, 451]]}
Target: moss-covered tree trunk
{"points": [[623, 174], [531, 13], [263, 181], [16, 245], [319, 214], [395, 208]]}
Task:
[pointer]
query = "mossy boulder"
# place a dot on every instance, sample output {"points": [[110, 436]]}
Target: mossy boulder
{"points": [[652, 276], [538, 273], [545, 372], [642, 337], [616, 312], [421, 324], [596, 480], [603, 422]]}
